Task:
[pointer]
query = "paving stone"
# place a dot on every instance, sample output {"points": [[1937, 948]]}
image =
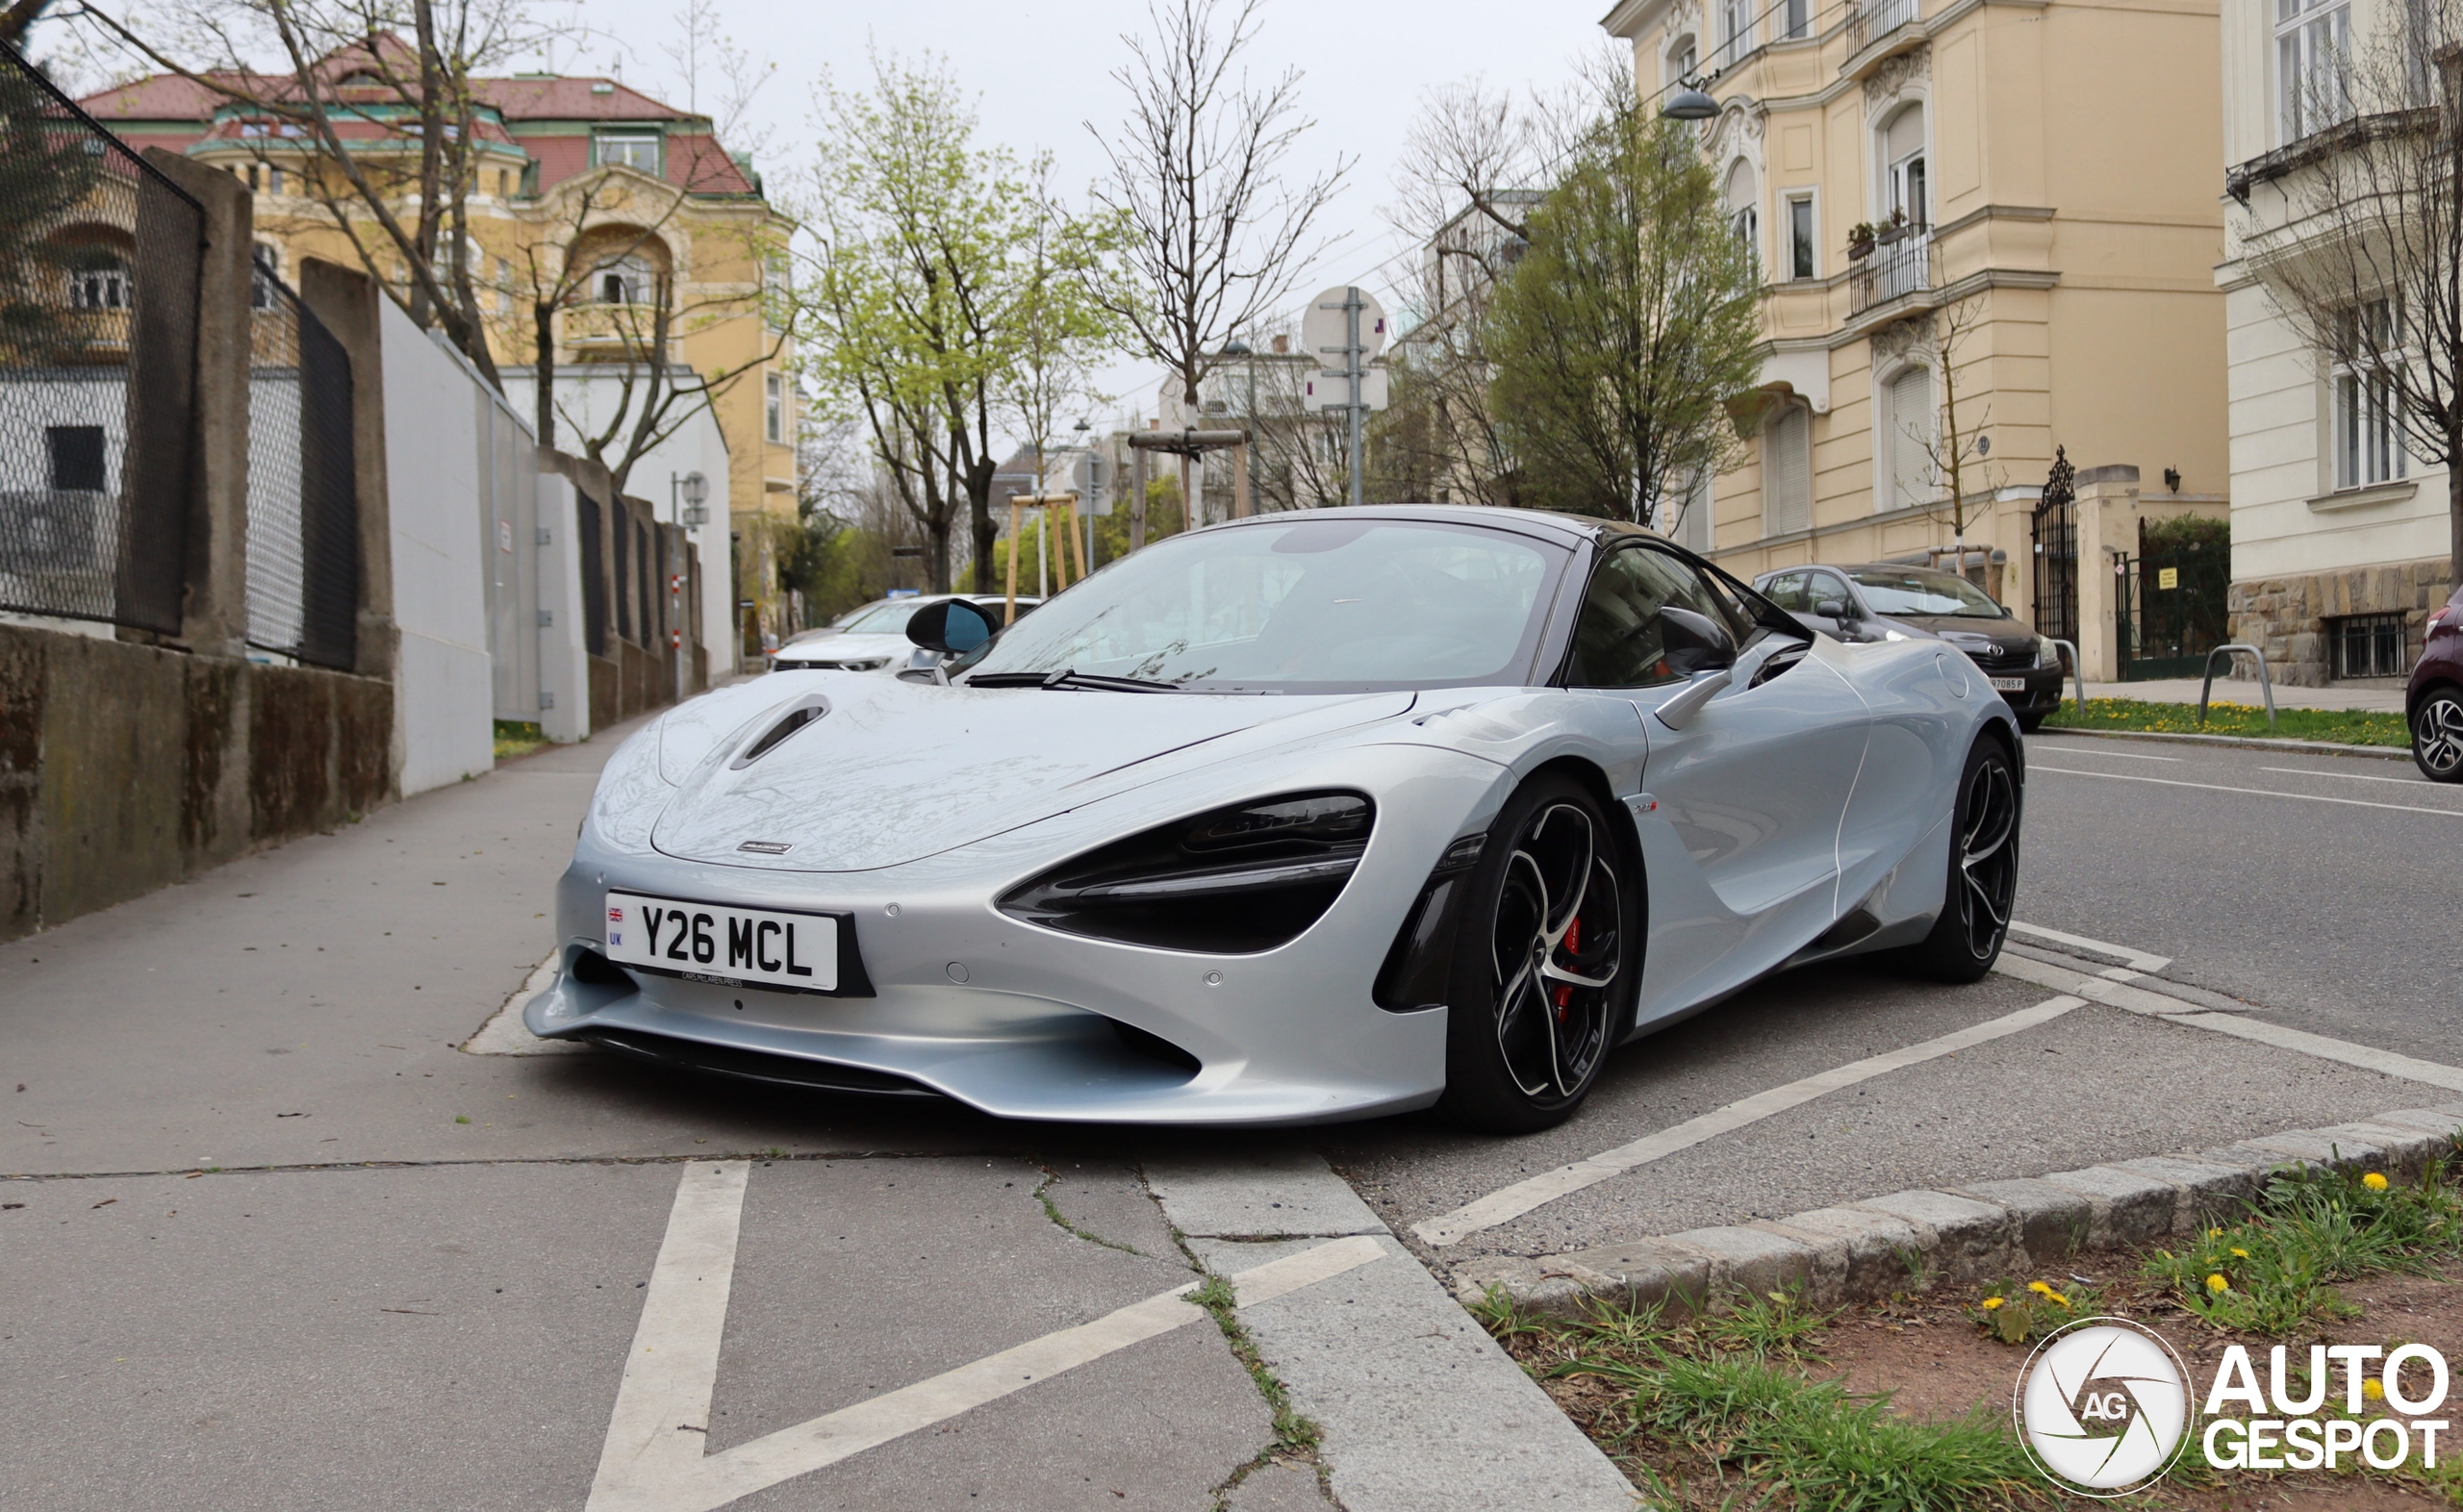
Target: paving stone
{"points": [[1860, 1251], [2400, 1151], [2210, 1191], [2429, 1121], [2129, 1208], [1267, 1193], [2052, 1223], [1963, 1239], [1749, 1259], [1278, 1487]]}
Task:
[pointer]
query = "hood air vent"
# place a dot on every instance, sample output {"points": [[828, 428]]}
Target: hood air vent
{"points": [[797, 715]]}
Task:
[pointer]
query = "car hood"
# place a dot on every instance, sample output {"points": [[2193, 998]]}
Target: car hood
{"points": [[1968, 633], [845, 645], [898, 770]]}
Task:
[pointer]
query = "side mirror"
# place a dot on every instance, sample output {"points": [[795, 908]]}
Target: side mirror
{"points": [[953, 626], [1693, 642], [1832, 609]]}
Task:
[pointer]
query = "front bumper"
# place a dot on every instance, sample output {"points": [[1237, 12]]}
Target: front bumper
{"points": [[2041, 693], [1027, 1022]]}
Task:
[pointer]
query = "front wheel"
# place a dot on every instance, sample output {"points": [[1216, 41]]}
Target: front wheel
{"points": [[1546, 965], [1984, 872], [2437, 736]]}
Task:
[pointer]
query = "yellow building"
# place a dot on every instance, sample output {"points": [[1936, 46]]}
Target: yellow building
{"points": [[2041, 176], [579, 180]]}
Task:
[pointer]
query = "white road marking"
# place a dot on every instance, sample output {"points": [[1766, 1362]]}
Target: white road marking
{"points": [[2347, 776], [2198, 1015], [2138, 960], [1512, 1202], [653, 1459], [2098, 750], [2262, 792]]}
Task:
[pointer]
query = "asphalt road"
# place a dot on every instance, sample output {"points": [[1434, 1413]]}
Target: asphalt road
{"points": [[411, 1274]]}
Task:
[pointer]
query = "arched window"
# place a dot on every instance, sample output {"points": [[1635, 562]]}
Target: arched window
{"points": [[1744, 209], [1907, 439], [98, 279], [1906, 198], [627, 280], [1787, 470], [267, 266], [1684, 61]]}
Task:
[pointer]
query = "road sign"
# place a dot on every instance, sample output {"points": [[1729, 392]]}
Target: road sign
{"points": [[1324, 331], [1332, 391]]}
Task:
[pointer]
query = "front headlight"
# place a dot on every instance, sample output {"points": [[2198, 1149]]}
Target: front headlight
{"points": [[1230, 882], [2047, 654]]}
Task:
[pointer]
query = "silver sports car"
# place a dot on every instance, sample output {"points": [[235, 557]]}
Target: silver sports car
{"points": [[1305, 817]]}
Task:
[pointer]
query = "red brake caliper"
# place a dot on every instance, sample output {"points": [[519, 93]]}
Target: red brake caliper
{"points": [[1573, 947]]}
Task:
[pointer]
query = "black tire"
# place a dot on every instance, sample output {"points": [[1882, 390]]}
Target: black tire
{"points": [[1545, 975], [2029, 723], [2437, 736], [1967, 938]]}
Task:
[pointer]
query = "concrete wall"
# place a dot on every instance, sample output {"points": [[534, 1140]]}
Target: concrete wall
{"points": [[445, 679], [125, 768]]}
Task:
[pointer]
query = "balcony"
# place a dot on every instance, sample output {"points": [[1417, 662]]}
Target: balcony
{"points": [[1905, 267], [609, 332], [1871, 20]]}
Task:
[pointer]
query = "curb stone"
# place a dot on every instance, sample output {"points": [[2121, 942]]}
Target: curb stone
{"points": [[2258, 742], [1861, 1251]]}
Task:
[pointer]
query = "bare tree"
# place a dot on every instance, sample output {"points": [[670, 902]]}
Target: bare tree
{"points": [[1949, 437], [1216, 237], [2355, 232]]}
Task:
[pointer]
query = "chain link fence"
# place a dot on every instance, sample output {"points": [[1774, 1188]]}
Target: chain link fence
{"points": [[303, 515], [98, 298]]}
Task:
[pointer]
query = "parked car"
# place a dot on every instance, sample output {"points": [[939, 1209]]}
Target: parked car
{"points": [[2434, 701], [872, 637], [1894, 601], [1306, 816]]}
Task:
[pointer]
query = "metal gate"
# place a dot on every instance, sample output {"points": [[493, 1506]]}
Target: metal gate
{"points": [[2169, 610], [2056, 554]]}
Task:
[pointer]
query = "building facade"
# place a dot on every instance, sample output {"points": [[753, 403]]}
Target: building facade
{"points": [[2340, 536], [581, 180], [1983, 219]]}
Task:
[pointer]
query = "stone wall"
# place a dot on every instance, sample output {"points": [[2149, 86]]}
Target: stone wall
{"points": [[126, 768], [2286, 617]]}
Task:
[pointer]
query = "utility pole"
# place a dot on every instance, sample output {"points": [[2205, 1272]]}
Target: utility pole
{"points": [[1355, 361]]}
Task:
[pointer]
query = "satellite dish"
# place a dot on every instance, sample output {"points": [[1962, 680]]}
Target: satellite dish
{"points": [[1324, 330]]}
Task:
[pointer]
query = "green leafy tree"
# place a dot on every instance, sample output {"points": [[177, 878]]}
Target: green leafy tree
{"points": [[1619, 334], [46, 176]]}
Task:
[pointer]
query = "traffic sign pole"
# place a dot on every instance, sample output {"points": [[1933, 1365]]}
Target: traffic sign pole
{"points": [[1357, 362]]}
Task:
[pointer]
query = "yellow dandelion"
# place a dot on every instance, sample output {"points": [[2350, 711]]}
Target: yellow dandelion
{"points": [[2040, 1288], [1992, 1304], [2375, 1391], [2217, 1283], [2214, 1233], [2374, 1181], [2241, 1253]]}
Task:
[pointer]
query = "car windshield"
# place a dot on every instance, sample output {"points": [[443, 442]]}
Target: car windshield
{"points": [[1921, 590], [1302, 606], [888, 619]]}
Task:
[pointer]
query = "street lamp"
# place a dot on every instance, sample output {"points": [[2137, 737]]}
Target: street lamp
{"points": [[1689, 104]]}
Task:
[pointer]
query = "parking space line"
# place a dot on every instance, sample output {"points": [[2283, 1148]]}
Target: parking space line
{"points": [[2138, 960], [1512, 1202], [653, 1459], [2098, 750], [2347, 776], [2262, 792]]}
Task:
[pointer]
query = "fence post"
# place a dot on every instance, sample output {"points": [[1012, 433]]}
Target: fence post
{"points": [[214, 620], [346, 301]]}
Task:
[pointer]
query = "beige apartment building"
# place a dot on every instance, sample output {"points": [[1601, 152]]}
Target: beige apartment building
{"points": [[2007, 203]]}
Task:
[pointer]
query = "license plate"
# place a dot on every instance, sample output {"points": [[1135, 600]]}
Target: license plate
{"points": [[708, 942], [2009, 685]]}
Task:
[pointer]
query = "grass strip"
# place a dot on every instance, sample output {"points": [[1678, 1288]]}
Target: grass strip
{"points": [[517, 737], [2342, 726]]}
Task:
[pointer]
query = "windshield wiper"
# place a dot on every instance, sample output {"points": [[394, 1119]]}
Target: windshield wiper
{"points": [[1068, 677]]}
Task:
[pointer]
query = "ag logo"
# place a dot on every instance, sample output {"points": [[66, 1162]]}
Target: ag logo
{"points": [[2103, 1407]]}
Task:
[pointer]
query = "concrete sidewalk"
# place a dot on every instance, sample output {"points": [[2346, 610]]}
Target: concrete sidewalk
{"points": [[2185, 690]]}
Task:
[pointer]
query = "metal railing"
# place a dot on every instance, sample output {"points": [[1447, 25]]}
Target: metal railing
{"points": [[1904, 267], [98, 298], [2266, 684], [1874, 19], [303, 508]]}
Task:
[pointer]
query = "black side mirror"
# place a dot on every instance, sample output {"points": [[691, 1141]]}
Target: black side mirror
{"points": [[1693, 642], [953, 626]]}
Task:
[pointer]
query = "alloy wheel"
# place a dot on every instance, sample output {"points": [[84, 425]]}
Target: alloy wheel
{"points": [[1987, 855], [1556, 952], [2437, 738]]}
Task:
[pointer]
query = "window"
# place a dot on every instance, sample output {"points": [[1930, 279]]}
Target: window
{"points": [[775, 407], [505, 286], [1736, 26], [625, 280], [504, 184], [1787, 472], [1744, 209], [102, 283], [1800, 234], [2312, 43], [77, 457], [1904, 174], [266, 268], [1796, 17], [2369, 645], [1684, 61], [1907, 439], [1788, 591], [628, 149], [1618, 642], [2369, 433]]}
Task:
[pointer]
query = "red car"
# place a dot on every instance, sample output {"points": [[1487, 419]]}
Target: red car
{"points": [[2434, 701]]}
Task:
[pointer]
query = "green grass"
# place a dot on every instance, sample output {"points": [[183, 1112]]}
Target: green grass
{"points": [[517, 737], [2348, 728], [2312, 1228]]}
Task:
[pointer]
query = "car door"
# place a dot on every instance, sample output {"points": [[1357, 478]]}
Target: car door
{"points": [[1741, 806]]}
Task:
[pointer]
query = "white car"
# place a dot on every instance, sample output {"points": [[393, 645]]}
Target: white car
{"points": [[873, 639]]}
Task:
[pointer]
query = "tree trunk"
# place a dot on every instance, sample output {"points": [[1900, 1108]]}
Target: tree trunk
{"points": [[2453, 507], [544, 373], [981, 526]]}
